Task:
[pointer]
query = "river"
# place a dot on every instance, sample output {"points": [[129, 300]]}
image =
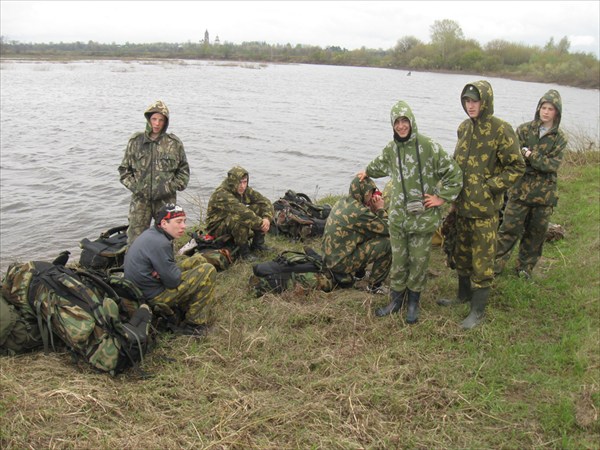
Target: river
{"points": [[64, 127]]}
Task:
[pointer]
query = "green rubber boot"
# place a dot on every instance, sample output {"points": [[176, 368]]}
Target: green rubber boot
{"points": [[478, 302], [412, 313], [394, 306]]}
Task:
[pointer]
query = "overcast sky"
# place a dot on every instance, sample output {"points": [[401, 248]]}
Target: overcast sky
{"points": [[348, 24]]}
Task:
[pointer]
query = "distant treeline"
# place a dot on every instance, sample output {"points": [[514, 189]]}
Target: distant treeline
{"points": [[448, 51]]}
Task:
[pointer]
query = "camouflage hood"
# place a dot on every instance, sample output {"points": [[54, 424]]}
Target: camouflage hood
{"points": [[487, 98], [553, 97], [358, 189], [234, 176], [157, 107], [401, 109]]}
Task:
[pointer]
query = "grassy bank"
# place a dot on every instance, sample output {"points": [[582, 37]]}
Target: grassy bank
{"points": [[320, 371]]}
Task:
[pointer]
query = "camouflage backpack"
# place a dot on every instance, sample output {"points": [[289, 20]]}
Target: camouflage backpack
{"points": [[298, 217], [291, 271], [81, 311]]}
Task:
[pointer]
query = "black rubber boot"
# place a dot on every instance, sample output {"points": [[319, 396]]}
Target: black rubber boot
{"points": [[394, 306], [412, 313], [478, 302], [246, 254], [258, 243], [463, 296]]}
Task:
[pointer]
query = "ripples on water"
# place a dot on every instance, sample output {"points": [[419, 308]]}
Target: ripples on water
{"points": [[64, 127]]}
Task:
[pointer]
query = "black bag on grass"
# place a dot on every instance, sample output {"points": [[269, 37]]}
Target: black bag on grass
{"points": [[107, 251]]}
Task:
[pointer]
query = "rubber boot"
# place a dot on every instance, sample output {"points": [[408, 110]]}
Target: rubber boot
{"points": [[478, 302], [246, 254], [394, 306], [412, 314], [258, 243], [136, 329], [463, 296]]}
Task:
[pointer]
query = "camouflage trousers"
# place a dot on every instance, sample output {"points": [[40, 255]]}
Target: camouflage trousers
{"points": [[240, 230], [194, 296], [141, 213], [528, 223], [376, 251], [476, 249], [410, 259]]}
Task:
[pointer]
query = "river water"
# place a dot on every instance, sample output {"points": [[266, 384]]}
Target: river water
{"points": [[64, 127]]}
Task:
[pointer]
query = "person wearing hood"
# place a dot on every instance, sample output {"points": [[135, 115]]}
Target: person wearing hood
{"points": [[238, 210], [169, 286], [533, 196], [154, 168], [488, 153], [422, 178], [356, 234]]}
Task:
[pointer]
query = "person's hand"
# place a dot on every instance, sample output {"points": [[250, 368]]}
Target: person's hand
{"points": [[155, 274], [266, 224], [361, 175], [376, 203], [431, 201]]}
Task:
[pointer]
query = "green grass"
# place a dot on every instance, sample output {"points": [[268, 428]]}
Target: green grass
{"points": [[321, 371]]}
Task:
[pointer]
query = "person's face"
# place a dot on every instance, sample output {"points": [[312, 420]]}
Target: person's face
{"points": [[402, 127], [242, 186], [547, 113], [473, 107], [175, 227], [157, 122]]}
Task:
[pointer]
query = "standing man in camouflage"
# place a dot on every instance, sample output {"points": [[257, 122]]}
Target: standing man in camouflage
{"points": [[423, 178], [356, 234], [533, 197], [488, 153], [154, 168], [185, 288], [240, 211]]}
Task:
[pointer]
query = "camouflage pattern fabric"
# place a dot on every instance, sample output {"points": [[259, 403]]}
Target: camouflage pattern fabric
{"points": [[153, 171], [533, 196], [194, 296], [527, 223], [475, 249], [448, 231], [440, 174], [238, 215], [488, 154], [355, 237], [297, 283], [411, 252]]}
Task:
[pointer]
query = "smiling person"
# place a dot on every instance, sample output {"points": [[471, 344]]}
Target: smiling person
{"points": [[186, 287], [423, 178], [533, 197], [487, 152], [154, 168]]}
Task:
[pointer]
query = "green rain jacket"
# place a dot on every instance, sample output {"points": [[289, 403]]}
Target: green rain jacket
{"points": [[488, 153], [225, 203], [155, 170], [538, 185], [440, 174], [350, 223]]}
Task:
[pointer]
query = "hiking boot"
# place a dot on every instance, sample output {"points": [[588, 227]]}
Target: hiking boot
{"points": [[478, 302], [394, 306], [246, 254], [463, 296], [412, 313], [258, 243]]}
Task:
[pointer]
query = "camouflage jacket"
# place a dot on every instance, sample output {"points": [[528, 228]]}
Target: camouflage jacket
{"points": [[488, 153], [538, 185], [154, 170], [440, 174], [350, 223], [226, 202]]}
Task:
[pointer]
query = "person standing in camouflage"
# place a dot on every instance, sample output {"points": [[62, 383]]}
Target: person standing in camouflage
{"points": [[356, 234], [423, 177], [533, 197], [240, 211], [169, 287], [154, 168], [488, 153]]}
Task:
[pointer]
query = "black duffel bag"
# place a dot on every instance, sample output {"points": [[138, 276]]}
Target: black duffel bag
{"points": [[108, 251]]}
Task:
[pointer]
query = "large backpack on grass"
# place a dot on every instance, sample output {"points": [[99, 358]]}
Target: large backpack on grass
{"points": [[298, 217], [81, 311], [105, 252], [302, 271]]}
